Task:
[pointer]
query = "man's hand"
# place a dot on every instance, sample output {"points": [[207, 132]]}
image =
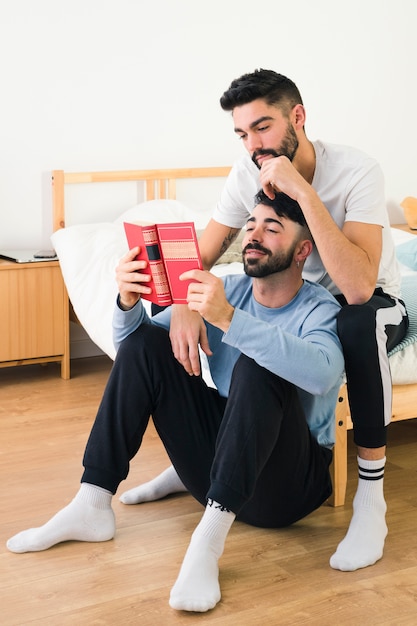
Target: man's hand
{"points": [[208, 298], [279, 174], [130, 281], [187, 332]]}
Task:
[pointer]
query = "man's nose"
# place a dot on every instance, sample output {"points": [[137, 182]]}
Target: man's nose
{"points": [[255, 235], [253, 143]]}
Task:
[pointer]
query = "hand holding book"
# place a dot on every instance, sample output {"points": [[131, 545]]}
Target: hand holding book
{"points": [[169, 250], [131, 280]]}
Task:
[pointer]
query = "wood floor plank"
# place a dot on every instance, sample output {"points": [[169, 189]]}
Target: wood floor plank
{"points": [[268, 577]]}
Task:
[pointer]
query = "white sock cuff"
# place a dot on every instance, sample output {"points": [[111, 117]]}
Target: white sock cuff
{"points": [[367, 464], [213, 528], [216, 521], [95, 496]]}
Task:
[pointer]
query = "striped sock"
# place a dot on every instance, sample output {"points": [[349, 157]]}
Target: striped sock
{"points": [[363, 544]]}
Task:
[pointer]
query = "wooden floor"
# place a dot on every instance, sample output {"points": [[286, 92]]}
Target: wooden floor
{"points": [[267, 577]]}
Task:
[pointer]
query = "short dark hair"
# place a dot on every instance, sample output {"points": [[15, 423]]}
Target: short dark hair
{"points": [[274, 88], [284, 206]]}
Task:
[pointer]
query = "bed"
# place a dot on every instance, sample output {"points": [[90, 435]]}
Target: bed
{"points": [[89, 251]]}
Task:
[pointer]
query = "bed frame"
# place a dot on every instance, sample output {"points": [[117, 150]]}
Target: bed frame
{"points": [[160, 184]]}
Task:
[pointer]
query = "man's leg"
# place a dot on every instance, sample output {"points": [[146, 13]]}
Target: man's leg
{"points": [[267, 470], [367, 332], [144, 366]]}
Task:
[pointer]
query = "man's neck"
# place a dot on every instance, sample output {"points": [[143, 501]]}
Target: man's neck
{"points": [[305, 159], [276, 290]]}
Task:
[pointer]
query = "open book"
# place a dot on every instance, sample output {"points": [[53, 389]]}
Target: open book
{"points": [[171, 250]]}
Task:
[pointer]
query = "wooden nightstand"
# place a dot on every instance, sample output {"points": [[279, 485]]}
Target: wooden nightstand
{"points": [[34, 318]]}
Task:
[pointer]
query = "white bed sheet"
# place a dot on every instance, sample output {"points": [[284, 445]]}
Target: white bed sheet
{"points": [[404, 363], [89, 253]]}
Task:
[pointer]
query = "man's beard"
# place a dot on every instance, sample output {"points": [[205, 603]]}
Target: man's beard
{"points": [[288, 147], [271, 264]]}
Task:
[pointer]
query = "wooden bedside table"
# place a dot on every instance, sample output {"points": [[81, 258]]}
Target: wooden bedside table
{"points": [[34, 318]]}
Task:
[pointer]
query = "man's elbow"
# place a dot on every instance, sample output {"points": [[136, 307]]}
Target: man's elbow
{"points": [[324, 387], [360, 293], [329, 375], [361, 297]]}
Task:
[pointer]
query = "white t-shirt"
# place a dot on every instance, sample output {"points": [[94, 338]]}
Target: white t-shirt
{"points": [[349, 183]]}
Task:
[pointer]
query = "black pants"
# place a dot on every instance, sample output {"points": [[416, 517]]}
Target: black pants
{"points": [[253, 452], [367, 333]]}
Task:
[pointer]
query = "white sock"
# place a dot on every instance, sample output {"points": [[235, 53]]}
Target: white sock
{"points": [[89, 517], [197, 586], [363, 544], [162, 485]]}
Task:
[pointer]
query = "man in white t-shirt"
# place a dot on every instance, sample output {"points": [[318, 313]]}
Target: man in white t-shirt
{"points": [[341, 193]]}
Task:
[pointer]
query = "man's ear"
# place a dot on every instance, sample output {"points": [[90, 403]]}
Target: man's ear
{"points": [[298, 116], [305, 248]]}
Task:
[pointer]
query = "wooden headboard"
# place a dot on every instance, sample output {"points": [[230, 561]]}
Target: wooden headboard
{"points": [[159, 184]]}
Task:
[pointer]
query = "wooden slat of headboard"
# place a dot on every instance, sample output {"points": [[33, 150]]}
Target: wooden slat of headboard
{"points": [[158, 183], [58, 200]]}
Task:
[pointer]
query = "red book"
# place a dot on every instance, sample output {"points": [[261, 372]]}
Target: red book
{"points": [[170, 250]]}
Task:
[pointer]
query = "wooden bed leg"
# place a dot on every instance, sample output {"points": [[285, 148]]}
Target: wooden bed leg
{"points": [[65, 367], [66, 363], [339, 464]]}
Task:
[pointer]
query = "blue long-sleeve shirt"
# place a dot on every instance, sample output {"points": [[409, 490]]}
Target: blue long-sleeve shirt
{"points": [[298, 342]]}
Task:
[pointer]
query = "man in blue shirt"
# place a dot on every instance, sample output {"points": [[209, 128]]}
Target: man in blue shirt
{"points": [[256, 448]]}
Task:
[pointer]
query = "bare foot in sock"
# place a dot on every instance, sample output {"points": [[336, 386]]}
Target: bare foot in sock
{"points": [[81, 520], [163, 485], [197, 586], [363, 544]]}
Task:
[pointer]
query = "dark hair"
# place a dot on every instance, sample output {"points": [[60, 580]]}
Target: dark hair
{"points": [[274, 88], [284, 206]]}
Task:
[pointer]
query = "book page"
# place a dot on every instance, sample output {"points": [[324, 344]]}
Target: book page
{"points": [[178, 243]]}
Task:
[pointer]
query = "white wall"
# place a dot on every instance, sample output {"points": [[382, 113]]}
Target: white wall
{"points": [[107, 84]]}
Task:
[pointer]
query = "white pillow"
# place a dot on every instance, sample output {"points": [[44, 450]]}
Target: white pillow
{"points": [[89, 253]]}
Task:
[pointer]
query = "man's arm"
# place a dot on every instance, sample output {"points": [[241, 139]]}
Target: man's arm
{"points": [[351, 255], [187, 329], [128, 315], [214, 242], [312, 359]]}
